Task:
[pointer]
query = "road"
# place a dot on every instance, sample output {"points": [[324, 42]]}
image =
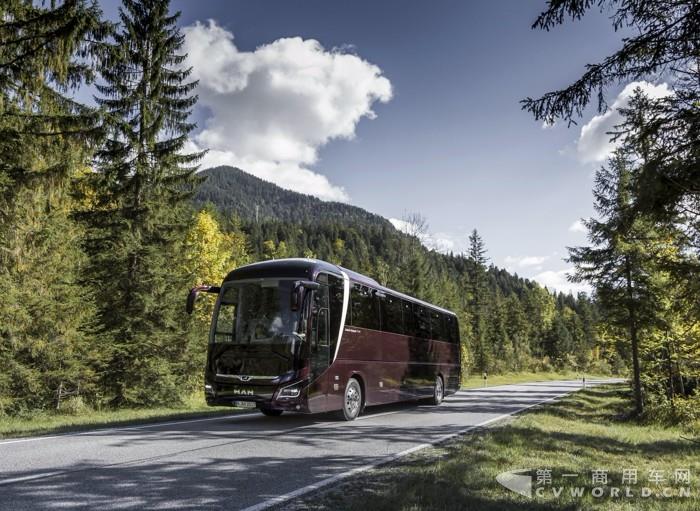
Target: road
{"points": [[237, 462]]}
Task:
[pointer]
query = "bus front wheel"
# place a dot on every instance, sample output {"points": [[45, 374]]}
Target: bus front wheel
{"points": [[438, 391], [352, 401], [270, 412]]}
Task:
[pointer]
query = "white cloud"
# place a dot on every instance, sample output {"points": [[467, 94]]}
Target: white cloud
{"points": [[557, 281], [594, 143], [577, 226], [526, 261], [401, 225], [440, 242], [273, 108]]}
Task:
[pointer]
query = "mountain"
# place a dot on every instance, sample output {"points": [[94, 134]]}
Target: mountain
{"points": [[233, 191], [508, 323]]}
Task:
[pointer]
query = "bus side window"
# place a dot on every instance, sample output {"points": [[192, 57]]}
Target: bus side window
{"points": [[409, 319], [336, 290], [454, 330], [448, 322], [322, 328], [422, 321], [320, 315], [436, 326], [392, 314], [365, 308]]}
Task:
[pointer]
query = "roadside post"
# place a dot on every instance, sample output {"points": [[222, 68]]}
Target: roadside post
{"points": [[485, 379]]}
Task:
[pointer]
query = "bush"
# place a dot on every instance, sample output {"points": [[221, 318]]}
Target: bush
{"points": [[74, 405], [683, 410], [600, 367]]}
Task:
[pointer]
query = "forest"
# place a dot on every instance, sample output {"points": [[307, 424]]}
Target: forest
{"points": [[105, 223]]}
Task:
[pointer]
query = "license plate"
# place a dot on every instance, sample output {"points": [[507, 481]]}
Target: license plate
{"points": [[244, 404]]}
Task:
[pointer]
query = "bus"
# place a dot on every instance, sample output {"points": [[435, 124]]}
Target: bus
{"points": [[309, 336]]}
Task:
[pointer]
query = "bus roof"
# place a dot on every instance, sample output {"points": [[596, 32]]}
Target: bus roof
{"points": [[308, 269]]}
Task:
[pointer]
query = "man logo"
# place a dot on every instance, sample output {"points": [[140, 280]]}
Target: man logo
{"points": [[521, 484]]}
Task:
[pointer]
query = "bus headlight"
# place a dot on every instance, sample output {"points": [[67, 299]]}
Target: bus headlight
{"points": [[208, 389], [290, 391]]}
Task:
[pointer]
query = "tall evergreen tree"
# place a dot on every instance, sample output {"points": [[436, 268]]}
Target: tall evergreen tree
{"points": [[476, 285], [45, 142], [619, 262], [140, 216], [664, 43]]}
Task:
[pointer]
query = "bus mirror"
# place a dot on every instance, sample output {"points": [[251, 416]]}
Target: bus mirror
{"points": [[192, 297], [298, 292]]}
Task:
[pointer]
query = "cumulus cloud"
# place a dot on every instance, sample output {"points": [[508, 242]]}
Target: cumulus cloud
{"points": [[594, 143], [558, 281], [272, 109], [577, 226], [440, 241], [525, 261]]}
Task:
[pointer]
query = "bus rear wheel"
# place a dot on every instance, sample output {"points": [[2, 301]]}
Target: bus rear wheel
{"points": [[352, 401], [438, 391], [270, 412]]}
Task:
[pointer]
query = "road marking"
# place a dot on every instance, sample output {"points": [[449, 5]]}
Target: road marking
{"points": [[43, 475], [242, 415], [127, 428], [274, 501]]}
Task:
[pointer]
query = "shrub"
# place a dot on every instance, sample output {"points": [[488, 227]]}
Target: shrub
{"points": [[74, 405], [600, 367], [683, 410]]}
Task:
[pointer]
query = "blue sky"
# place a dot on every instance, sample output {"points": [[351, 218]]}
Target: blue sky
{"points": [[421, 115]]}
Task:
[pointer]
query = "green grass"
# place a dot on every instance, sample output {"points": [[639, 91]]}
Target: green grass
{"points": [[476, 380], [48, 422], [583, 432]]}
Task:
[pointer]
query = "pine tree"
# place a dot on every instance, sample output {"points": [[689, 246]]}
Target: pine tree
{"points": [[476, 285], [141, 215], [619, 262], [662, 42], [45, 140]]}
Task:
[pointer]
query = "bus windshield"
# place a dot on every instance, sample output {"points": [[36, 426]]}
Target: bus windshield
{"points": [[256, 313]]}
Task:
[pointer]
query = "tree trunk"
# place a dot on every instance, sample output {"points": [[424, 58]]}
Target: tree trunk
{"points": [[638, 403], [680, 379], [671, 389]]}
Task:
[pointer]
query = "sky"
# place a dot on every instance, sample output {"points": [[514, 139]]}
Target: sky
{"points": [[404, 106]]}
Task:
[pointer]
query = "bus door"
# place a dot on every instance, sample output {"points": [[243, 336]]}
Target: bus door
{"points": [[319, 349]]}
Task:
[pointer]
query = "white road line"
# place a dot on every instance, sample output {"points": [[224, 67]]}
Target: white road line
{"points": [[43, 475], [338, 477], [31, 477], [243, 415], [127, 428]]}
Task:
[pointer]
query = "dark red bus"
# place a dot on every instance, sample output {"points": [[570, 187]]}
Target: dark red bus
{"points": [[308, 336]]}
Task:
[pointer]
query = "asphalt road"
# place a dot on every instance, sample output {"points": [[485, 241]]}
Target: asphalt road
{"points": [[236, 462]]}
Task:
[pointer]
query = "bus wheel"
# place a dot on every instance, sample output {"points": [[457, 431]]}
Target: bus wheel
{"points": [[270, 412], [352, 402], [438, 391]]}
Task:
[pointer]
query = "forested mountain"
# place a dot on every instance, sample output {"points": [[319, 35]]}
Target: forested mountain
{"points": [[233, 191], [507, 322]]}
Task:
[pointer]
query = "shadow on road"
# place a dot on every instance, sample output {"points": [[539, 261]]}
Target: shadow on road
{"points": [[236, 462]]}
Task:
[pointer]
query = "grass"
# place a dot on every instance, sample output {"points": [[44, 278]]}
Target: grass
{"points": [[47, 422], [476, 380], [586, 431]]}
